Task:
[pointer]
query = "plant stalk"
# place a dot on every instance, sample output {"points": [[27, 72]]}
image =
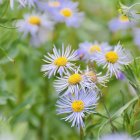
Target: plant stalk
{"points": [[81, 133], [109, 117]]}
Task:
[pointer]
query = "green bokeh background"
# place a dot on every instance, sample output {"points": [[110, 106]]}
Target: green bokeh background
{"points": [[27, 99]]}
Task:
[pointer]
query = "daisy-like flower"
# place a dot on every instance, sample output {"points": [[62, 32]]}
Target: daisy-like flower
{"points": [[88, 49], [50, 6], [114, 60], [67, 12], [96, 78], [73, 82], [76, 105], [54, 3], [33, 24], [117, 136], [23, 3], [59, 61], [120, 23]]}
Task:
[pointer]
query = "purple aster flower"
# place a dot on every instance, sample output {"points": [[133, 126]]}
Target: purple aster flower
{"points": [[114, 60], [59, 62], [120, 23], [87, 50], [73, 82], [76, 106], [37, 25], [50, 6], [66, 11]]}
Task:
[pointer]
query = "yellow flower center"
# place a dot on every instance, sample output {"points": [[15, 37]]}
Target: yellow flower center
{"points": [[92, 75], [124, 18], [75, 79], [61, 61], [77, 106], [111, 57], [95, 48], [34, 20], [66, 12], [54, 4]]}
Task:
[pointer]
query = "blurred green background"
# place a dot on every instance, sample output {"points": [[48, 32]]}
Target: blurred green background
{"points": [[27, 99]]}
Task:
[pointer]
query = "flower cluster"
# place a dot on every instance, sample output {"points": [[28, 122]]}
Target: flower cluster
{"points": [[65, 11], [39, 24], [127, 20], [78, 89], [122, 22], [79, 77], [112, 58]]}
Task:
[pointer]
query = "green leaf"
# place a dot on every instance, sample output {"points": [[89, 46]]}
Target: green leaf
{"points": [[117, 114], [6, 55], [5, 96]]}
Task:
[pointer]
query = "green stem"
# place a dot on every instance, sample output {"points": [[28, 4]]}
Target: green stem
{"points": [[6, 55], [8, 27], [137, 58], [41, 128], [5, 10], [109, 117], [81, 134], [134, 5]]}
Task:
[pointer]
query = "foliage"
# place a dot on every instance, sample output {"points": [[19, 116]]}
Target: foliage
{"points": [[27, 98]]}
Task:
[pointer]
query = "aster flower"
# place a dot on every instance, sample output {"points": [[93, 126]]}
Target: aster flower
{"points": [[76, 105], [54, 3], [96, 78], [114, 60], [120, 23], [67, 12], [50, 5], [59, 61], [88, 49], [130, 11], [73, 82], [117, 136], [33, 24]]}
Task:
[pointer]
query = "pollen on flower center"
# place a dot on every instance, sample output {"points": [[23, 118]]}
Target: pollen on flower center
{"points": [[124, 18], [75, 79], [35, 20], [54, 4], [111, 57], [66, 12], [77, 105], [95, 48], [61, 61]]}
